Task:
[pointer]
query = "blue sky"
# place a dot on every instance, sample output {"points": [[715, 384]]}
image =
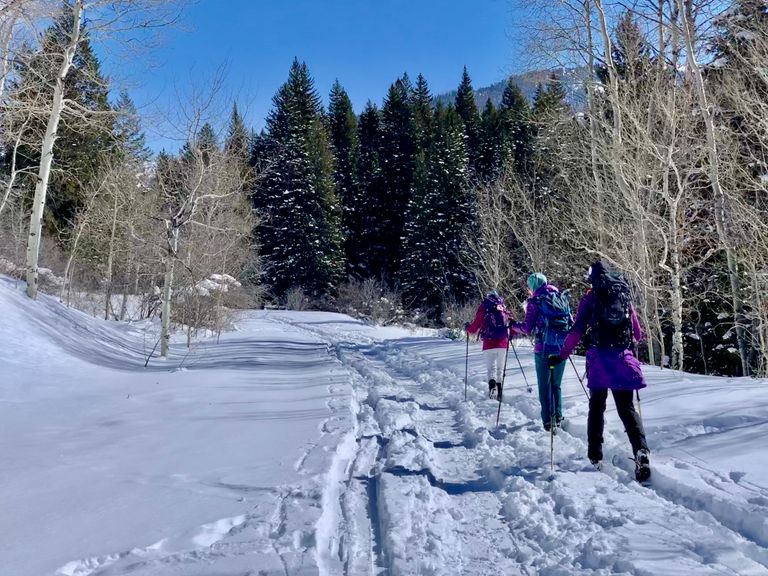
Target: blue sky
{"points": [[365, 44]]}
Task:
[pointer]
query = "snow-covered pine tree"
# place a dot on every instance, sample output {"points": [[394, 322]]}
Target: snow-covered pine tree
{"points": [[397, 159], [438, 218], [492, 152], [371, 198], [549, 104], [342, 125], [517, 129], [299, 232], [423, 113], [466, 107]]}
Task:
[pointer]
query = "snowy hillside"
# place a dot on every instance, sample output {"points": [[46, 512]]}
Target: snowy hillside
{"points": [[309, 443]]}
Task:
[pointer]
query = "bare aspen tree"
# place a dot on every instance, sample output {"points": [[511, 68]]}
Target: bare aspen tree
{"points": [[722, 219], [205, 216], [489, 250], [46, 157], [104, 16]]}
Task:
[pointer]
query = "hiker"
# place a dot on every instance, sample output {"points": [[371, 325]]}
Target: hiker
{"points": [[608, 319], [548, 319], [491, 321]]}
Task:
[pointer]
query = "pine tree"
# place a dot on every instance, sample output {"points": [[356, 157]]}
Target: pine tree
{"points": [[342, 124], [371, 200], [397, 157], [550, 99], [128, 134], [491, 147], [549, 109], [467, 110], [300, 237], [423, 114], [632, 56], [259, 151], [439, 215], [517, 130], [205, 141], [237, 142]]}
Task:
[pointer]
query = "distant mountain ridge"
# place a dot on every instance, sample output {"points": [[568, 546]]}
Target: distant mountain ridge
{"points": [[527, 82]]}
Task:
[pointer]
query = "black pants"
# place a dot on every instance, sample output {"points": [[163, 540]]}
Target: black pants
{"points": [[629, 417]]}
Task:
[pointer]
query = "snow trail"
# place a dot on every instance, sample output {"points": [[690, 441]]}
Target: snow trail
{"points": [[454, 495], [314, 444]]}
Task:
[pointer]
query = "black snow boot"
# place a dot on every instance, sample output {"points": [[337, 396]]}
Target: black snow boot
{"points": [[491, 388], [642, 466], [595, 455]]}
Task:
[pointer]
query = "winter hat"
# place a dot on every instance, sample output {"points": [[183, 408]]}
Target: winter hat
{"points": [[536, 281], [595, 271]]}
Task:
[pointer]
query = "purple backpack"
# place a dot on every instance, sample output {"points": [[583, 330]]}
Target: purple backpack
{"points": [[495, 318]]}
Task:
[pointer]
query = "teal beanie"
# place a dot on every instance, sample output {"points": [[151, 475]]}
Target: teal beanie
{"points": [[536, 281]]}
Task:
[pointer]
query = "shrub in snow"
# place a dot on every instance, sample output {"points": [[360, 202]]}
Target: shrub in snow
{"points": [[47, 279], [296, 299], [10, 269], [370, 300]]}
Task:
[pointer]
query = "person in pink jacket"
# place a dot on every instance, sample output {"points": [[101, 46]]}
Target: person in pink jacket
{"points": [[491, 322]]}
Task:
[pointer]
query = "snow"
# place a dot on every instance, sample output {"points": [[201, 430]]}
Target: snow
{"points": [[311, 443], [216, 283]]}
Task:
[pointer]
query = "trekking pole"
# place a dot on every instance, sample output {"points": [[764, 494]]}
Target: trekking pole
{"points": [[521, 367], [581, 380], [639, 408], [552, 418], [466, 368], [501, 390]]}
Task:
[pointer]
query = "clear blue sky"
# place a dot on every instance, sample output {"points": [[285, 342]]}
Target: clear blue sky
{"points": [[365, 44]]}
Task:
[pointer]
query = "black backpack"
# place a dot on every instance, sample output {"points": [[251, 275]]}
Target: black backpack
{"points": [[611, 322]]}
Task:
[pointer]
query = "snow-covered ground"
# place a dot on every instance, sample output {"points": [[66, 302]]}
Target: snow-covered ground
{"points": [[310, 443]]}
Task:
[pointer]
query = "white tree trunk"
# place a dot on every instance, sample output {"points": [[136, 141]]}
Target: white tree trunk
{"points": [[46, 153], [678, 356], [14, 173], [721, 221], [110, 260], [170, 259], [593, 114], [7, 37]]}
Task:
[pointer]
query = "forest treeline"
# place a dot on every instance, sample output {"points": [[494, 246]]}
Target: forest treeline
{"points": [[653, 160]]}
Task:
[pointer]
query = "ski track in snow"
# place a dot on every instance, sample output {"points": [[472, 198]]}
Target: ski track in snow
{"points": [[405, 477], [434, 488]]}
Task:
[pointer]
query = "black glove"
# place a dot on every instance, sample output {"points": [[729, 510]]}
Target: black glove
{"points": [[553, 360], [466, 326]]}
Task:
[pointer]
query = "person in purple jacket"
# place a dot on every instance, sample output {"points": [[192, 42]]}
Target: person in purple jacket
{"points": [[608, 319], [549, 334]]}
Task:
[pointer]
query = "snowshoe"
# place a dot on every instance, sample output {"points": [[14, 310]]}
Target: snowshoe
{"points": [[598, 464], [642, 466]]}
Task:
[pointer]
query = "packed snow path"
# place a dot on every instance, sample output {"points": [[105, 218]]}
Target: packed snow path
{"points": [[435, 488], [310, 443]]}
